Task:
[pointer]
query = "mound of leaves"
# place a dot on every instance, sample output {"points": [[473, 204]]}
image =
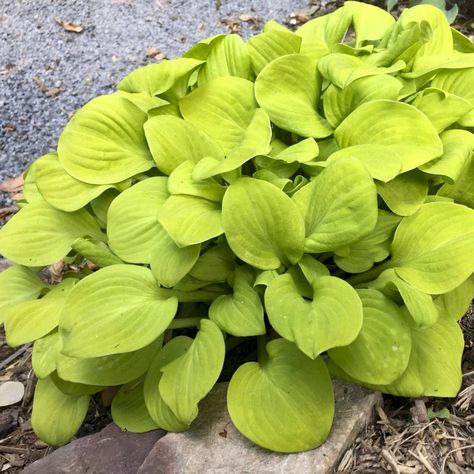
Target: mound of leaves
{"points": [[313, 190]]}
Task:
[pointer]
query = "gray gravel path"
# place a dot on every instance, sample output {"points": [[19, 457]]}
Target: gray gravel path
{"points": [[37, 55]]}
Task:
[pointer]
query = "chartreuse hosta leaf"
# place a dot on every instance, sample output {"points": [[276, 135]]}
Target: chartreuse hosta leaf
{"points": [[56, 417], [381, 351], [239, 314], [30, 190], [129, 411], [343, 69], [330, 317], [41, 235], [45, 352], [190, 220], [132, 225], [455, 303], [222, 108], [457, 83], [168, 79], [255, 141], [159, 411], [442, 108], [215, 264], [191, 376], [181, 182], [123, 304], [142, 100], [228, 56], [284, 402], [375, 247], [339, 206], [433, 249], [434, 368], [63, 191], [288, 89], [462, 191], [457, 151], [402, 128], [173, 141], [262, 225], [267, 46], [419, 305], [29, 320], [18, 284], [406, 193], [340, 102], [95, 251], [109, 370], [104, 142]]}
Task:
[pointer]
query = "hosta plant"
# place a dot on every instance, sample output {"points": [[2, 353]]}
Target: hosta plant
{"points": [[307, 194]]}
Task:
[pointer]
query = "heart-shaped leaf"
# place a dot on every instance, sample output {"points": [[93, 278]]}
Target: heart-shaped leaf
{"points": [[285, 402], [330, 317]]}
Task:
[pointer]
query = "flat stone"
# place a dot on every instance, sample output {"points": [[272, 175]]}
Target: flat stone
{"points": [[111, 451], [213, 445], [11, 393]]}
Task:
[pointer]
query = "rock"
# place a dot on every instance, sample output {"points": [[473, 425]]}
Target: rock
{"points": [[111, 451], [213, 445], [11, 393], [4, 264]]}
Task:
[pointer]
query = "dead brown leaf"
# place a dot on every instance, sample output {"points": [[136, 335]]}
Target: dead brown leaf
{"points": [[48, 91], [9, 127], [155, 54], [12, 185], [8, 211], [233, 24], [69, 26]]}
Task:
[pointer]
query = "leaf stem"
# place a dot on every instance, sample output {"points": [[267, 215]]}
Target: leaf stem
{"points": [[370, 275], [181, 323]]}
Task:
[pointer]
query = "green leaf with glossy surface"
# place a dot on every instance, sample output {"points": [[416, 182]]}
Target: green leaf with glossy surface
{"points": [[285, 402], [18, 284], [174, 141], [104, 142], [41, 235], [399, 126], [339, 206], [190, 220], [189, 378], [109, 370], [56, 417], [157, 408], [332, 317], [455, 303], [270, 45], [45, 352], [406, 193], [222, 108], [95, 251], [462, 191], [132, 225], [381, 351], [241, 313], [262, 225], [433, 249], [288, 90], [29, 320], [122, 304], [129, 411]]}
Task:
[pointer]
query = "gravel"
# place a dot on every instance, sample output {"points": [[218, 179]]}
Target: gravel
{"points": [[46, 73]]}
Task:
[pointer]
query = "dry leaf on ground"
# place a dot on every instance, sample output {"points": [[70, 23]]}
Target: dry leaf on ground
{"points": [[155, 54], [69, 26], [13, 185]]}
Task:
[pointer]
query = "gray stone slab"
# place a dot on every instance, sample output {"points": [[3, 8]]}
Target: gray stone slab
{"points": [[110, 451], [214, 446]]}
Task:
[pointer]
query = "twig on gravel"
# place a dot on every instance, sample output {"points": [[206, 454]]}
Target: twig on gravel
{"points": [[12, 450], [419, 456], [14, 355], [388, 456]]}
